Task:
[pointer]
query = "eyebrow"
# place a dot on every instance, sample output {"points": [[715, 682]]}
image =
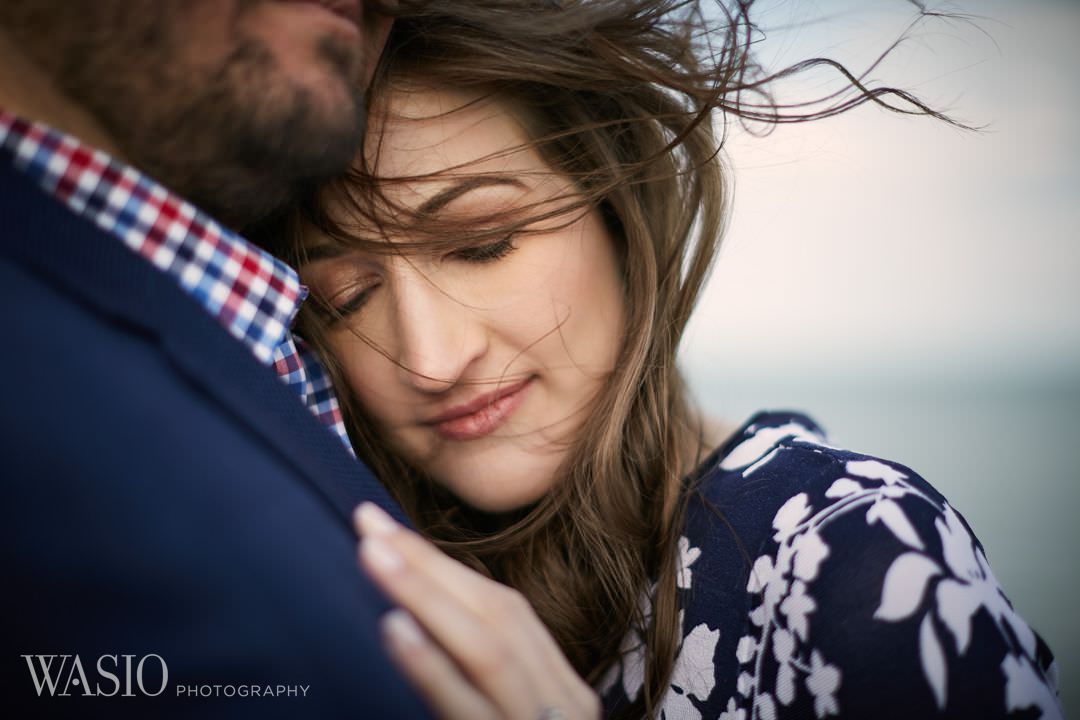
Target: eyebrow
{"points": [[430, 206], [448, 194]]}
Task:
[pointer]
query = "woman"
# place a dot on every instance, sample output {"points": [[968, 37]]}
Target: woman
{"points": [[500, 289]]}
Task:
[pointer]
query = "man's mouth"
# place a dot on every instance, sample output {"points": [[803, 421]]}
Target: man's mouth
{"points": [[345, 9]]}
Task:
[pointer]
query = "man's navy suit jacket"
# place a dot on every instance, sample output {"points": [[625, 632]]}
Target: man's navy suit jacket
{"points": [[165, 493]]}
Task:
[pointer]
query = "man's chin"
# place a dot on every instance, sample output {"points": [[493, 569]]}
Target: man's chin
{"points": [[254, 134], [248, 188]]}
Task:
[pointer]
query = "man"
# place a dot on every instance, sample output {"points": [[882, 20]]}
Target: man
{"points": [[176, 518]]}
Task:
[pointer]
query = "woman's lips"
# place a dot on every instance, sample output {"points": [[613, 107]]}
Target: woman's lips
{"points": [[481, 416]]}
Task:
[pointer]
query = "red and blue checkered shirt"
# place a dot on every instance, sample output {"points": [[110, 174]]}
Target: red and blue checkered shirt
{"points": [[252, 294]]}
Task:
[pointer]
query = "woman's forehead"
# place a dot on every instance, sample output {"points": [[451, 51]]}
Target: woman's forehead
{"points": [[419, 133]]}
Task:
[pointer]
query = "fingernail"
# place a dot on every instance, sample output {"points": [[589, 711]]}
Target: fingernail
{"points": [[370, 519], [400, 628], [379, 554]]}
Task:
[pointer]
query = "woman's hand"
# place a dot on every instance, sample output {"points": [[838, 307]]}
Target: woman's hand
{"points": [[479, 651]]}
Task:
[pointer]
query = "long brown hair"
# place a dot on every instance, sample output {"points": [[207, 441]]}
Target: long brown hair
{"points": [[629, 99]]}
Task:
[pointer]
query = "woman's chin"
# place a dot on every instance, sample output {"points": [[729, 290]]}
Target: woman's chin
{"points": [[499, 482], [495, 496]]}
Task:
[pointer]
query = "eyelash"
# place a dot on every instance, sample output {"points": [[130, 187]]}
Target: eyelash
{"points": [[354, 303], [479, 255], [486, 253]]}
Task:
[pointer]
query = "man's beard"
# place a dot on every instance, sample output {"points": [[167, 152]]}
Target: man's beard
{"points": [[237, 138], [241, 144]]}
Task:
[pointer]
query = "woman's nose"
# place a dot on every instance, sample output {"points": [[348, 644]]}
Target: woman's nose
{"points": [[438, 335]]}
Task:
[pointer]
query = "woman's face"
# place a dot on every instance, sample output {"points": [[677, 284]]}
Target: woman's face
{"points": [[486, 359]]}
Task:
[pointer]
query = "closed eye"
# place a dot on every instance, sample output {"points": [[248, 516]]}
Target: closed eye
{"points": [[486, 253], [348, 300]]}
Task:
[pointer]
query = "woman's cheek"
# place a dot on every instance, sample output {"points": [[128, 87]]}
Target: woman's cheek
{"points": [[370, 376]]}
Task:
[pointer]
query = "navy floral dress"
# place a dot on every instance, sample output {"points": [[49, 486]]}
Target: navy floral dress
{"points": [[817, 582]]}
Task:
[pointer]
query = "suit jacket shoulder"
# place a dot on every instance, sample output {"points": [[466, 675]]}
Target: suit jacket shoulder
{"points": [[167, 495]]}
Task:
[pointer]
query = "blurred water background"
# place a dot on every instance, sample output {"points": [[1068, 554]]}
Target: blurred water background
{"points": [[916, 288]]}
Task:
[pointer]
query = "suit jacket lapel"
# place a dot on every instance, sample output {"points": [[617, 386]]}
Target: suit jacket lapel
{"points": [[83, 261]]}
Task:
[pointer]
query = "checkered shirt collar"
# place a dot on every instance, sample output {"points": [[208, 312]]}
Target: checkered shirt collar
{"points": [[252, 294]]}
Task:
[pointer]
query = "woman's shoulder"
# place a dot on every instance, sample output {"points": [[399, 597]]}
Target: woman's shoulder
{"points": [[840, 583], [781, 452], [779, 471]]}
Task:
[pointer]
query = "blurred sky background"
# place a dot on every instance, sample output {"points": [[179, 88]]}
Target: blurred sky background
{"points": [[916, 288]]}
